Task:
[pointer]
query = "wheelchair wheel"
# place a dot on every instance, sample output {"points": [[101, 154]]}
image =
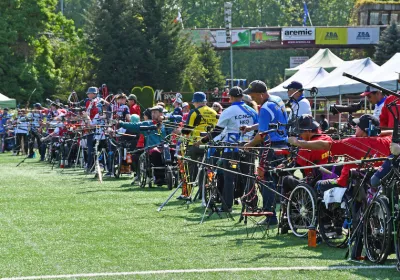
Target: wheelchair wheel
{"points": [[378, 230], [142, 170], [117, 163], [301, 211], [169, 176], [334, 223]]}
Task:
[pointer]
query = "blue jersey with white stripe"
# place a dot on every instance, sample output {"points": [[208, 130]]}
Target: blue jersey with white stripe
{"points": [[273, 111]]}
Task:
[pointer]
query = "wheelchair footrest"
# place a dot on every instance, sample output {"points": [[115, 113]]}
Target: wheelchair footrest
{"points": [[257, 214]]}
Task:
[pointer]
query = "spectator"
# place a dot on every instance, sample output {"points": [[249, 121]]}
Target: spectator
{"points": [[217, 108], [134, 108], [225, 96]]}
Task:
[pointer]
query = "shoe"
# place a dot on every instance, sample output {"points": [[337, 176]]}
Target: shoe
{"points": [[272, 221], [181, 197], [108, 174]]}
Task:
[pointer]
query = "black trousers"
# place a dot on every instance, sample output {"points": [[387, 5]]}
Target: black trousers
{"points": [[34, 135]]}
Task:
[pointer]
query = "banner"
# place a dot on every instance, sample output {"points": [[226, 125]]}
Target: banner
{"points": [[197, 36], [240, 38], [331, 36], [265, 37], [297, 60], [363, 35], [298, 35]]}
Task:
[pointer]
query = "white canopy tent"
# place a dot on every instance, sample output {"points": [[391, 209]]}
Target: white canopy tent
{"points": [[308, 77], [7, 102], [388, 74], [335, 84], [323, 58]]}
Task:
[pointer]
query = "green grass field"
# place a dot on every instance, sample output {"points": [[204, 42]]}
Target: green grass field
{"points": [[55, 223]]}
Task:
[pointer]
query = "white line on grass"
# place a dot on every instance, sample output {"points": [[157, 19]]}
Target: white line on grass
{"points": [[177, 271]]}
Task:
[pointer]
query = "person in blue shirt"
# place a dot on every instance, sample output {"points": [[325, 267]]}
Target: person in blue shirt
{"points": [[4, 117], [272, 112], [154, 132], [177, 107], [237, 115]]}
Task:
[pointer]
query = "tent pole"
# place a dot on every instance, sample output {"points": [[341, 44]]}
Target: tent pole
{"points": [[340, 115]]}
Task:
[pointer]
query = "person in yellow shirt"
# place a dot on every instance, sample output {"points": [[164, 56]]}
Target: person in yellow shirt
{"points": [[199, 119]]}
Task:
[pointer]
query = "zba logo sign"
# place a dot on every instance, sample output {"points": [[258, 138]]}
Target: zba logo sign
{"points": [[363, 36], [331, 36]]}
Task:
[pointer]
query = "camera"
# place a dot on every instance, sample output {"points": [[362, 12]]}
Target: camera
{"points": [[338, 109]]}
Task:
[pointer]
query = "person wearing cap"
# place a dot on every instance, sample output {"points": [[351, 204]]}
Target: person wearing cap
{"points": [[185, 111], [355, 147], [21, 131], [309, 131], [36, 118], [4, 119], [229, 123], [147, 115], [155, 131], [134, 108], [272, 111], [88, 115], [177, 107], [375, 97], [299, 104]]}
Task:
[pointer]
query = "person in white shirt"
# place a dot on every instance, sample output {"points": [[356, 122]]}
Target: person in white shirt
{"points": [[300, 105], [375, 97]]}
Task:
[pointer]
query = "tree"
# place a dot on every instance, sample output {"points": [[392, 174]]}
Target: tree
{"points": [[389, 44], [212, 65], [167, 50], [117, 43]]}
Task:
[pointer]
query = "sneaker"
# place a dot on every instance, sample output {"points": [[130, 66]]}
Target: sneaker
{"points": [[272, 221], [108, 174], [181, 197]]}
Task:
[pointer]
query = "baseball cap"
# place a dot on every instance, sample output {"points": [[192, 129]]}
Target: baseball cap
{"points": [[5, 109], [177, 100], [199, 97], [157, 108], [185, 104], [369, 90], [92, 90], [147, 113], [37, 105], [256, 86], [307, 122], [132, 97], [294, 85], [236, 92], [162, 104], [364, 120]]}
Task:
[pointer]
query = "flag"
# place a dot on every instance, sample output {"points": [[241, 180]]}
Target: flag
{"points": [[305, 14], [178, 18]]}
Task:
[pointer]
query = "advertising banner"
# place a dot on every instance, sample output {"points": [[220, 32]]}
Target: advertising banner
{"points": [[331, 36], [240, 38], [297, 60], [265, 37], [363, 35], [197, 36], [298, 35]]}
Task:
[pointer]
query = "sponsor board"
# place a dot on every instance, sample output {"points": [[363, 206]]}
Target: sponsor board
{"points": [[331, 36], [265, 37], [240, 38], [298, 35], [363, 35], [297, 60]]}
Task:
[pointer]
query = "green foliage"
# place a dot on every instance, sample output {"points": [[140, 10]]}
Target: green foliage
{"points": [[187, 86], [146, 97], [212, 66], [389, 44]]}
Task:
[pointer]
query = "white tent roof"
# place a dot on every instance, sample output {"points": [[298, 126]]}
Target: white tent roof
{"points": [[387, 75], [307, 77], [323, 58], [335, 83]]}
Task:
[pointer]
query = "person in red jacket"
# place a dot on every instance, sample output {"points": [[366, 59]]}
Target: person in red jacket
{"points": [[365, 140], [134, 108], [386, 120]]}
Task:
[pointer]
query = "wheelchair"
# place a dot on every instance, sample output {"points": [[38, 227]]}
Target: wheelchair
{"points": [[121, 157], [168, 162]]}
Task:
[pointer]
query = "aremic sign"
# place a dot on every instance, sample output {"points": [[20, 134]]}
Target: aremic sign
{"points": [[298, 35]]}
